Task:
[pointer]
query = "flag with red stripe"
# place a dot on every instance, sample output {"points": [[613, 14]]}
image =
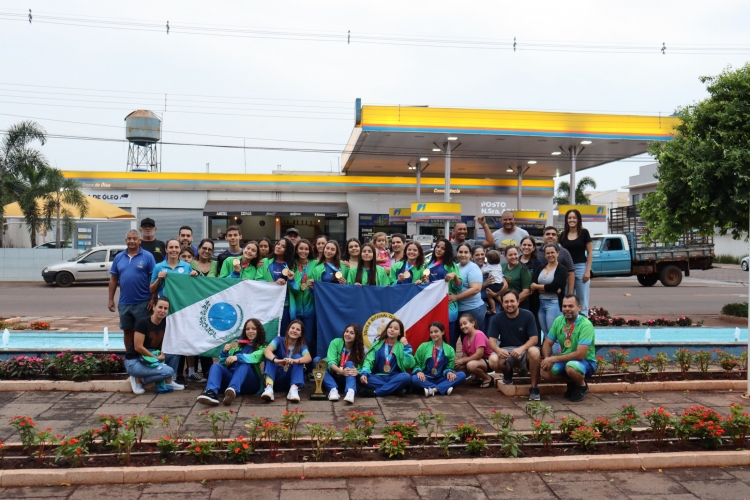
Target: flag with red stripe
{"points": [[373, 307]]}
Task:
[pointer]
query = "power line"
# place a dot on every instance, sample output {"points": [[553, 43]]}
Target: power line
{"points": [[345, 36]]}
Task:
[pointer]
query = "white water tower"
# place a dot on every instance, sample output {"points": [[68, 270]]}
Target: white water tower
{"points": [[143, 131]]}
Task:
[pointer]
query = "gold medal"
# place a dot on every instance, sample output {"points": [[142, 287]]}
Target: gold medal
{"points": [[568, 343], [407, 275], [236, 262], [303, 286], [287, 272], [387, 368], [434, 371], [234, 345], [338, 275], [426, 274]]}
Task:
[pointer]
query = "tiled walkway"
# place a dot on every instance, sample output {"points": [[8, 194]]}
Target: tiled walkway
{"points": [[669, 484]]}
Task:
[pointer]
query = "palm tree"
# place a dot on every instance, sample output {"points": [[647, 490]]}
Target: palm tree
{"points": [[15, 156], [38, 201], [62, 192], [563, 192]]}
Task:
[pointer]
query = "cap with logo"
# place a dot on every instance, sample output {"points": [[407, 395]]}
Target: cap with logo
{"points": [[148, 222], [292, 230]]}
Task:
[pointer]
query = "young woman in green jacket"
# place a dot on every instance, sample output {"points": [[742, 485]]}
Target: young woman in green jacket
{"points": [[385, 369], [434, 369], [247, 267], [411, 268], [279, 270], [345, 358], [442, 267], [367, 272], [329, 268]]}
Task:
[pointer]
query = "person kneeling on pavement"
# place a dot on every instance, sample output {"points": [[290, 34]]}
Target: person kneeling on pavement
{"points": [[238, 371], [144, 361], [513, 339], [577, 359]]}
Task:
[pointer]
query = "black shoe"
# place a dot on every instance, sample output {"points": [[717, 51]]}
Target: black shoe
{"points": [[209, 397], [534, 394], [508, 378], [401, 392], [579, 393], [571, 388], [366, 392]]}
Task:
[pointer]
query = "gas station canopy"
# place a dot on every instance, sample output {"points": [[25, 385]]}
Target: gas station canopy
{"points": [[494, 143]]}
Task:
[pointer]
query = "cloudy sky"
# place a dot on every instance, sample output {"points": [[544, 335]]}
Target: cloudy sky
{"points": [[281, 75]]}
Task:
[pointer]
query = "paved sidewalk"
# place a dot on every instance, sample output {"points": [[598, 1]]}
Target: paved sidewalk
{"points": [[673, 484], [72, 413]]}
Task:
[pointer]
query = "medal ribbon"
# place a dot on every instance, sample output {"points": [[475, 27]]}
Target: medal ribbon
{"points": [[304, 276], [568, 331], [435, 263], [435, 356], [408, 266], [388, 354]]}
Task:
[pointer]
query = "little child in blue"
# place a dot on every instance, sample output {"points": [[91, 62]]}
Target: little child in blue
{"points": [[434, 364], [386, 363], [345, 357], [238, 371], [286, 358]]}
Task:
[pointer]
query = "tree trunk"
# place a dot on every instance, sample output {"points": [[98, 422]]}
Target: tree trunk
{"points": [[58, 229]]}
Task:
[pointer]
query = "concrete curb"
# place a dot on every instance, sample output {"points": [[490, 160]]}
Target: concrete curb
{"points": [[168, 474], [609, 387], [66, 385]]}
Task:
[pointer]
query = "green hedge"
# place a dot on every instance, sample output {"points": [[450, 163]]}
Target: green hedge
{"points": [[738, 309]]}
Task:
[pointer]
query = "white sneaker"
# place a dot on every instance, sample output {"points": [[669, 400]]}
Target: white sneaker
{"points": [[293, 394], [333, 395], [175, 386], [268, 393], [349, 398], [448, 392], [429, 392], [137, 388]]}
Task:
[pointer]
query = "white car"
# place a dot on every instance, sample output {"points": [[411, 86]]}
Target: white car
{"points": [[91, 266], [745, 264]]}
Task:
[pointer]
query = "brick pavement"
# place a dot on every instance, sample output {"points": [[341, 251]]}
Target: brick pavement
{"points": [[669, 484]]}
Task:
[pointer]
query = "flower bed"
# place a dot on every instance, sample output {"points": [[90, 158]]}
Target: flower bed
{"points": [[601, 317], [65, 365], [120, 439]]}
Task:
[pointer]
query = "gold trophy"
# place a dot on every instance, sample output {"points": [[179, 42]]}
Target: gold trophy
{"points": [[318, 373]]}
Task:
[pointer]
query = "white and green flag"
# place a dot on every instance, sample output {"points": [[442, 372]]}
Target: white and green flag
{"points": [[205, 313]]}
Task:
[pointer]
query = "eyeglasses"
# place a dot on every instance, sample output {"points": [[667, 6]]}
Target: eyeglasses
{"points": [[206, 249]]}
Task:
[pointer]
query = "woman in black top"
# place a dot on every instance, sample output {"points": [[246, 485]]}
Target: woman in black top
{"points": [[144, 361], [577, 241], [548, 288]]}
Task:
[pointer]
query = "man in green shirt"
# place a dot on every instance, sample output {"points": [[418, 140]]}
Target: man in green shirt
{"points": [[577, 358]]}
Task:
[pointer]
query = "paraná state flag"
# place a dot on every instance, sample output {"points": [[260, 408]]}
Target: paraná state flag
{"points": [[205, 313], [373, 307]]}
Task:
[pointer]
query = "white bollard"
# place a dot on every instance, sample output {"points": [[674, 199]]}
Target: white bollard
{"points": [[106, 337], [6, 338], [736, 334], [648, 334]]}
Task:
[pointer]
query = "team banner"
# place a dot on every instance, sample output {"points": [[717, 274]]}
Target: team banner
{"points": [[205, 313], [374, 306]]}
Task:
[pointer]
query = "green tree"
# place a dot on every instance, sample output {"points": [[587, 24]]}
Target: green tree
{"points": [[16, 155], [704, 171], [45, 191], [563, 192]]}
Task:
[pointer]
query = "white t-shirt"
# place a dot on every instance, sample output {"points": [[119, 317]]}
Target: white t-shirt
{"points": [[494, 270], [503, 240]]}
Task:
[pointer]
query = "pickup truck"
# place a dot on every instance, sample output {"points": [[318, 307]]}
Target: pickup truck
{"points": [[623, 253]]}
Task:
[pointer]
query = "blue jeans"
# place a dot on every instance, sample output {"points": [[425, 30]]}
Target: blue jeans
{"points": [[548, 311], [242, 378], [340, 382], [439, 382], [582, 289], [162, 371], [478, 313]]}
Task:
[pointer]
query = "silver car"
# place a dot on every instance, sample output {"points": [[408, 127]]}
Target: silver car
{"points": [[90, 266], [745, 264]]}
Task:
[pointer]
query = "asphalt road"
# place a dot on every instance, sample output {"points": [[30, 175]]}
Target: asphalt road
{"points": [[703, 294]]}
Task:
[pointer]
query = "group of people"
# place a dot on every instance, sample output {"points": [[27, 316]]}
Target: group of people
{"points": [[537, 292]]}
